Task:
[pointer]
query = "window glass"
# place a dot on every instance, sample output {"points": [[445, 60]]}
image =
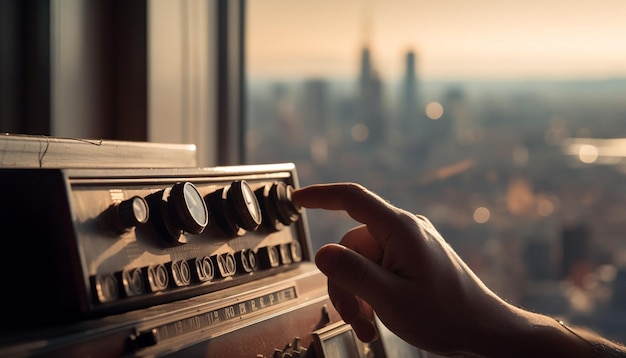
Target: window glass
{"points": [[503, 122]]}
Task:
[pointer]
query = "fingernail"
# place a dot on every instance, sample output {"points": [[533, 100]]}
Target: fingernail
{"points": [[327, 258]]}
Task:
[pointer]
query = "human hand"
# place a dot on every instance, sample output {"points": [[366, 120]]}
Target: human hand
{"points": [[400, 267]]}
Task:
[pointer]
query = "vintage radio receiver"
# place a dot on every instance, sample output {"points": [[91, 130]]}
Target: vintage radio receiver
{"points": [[89, 243], [165, 261], [129, 249]]}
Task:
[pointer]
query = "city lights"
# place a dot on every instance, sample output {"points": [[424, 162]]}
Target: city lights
{"points": [[545, 207], [360, 132], [481, 215], [434, 110], [588, 153]]}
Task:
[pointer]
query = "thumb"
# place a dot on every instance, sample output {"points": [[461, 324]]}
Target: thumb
{"points": [[353, 272]]}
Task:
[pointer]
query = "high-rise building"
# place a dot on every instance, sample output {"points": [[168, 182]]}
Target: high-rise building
{"points": [[370, 99], [365, 73], [316, 107], [409, 100]]}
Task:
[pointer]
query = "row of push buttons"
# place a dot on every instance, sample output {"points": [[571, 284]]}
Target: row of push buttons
{"points": [[181, 273]]}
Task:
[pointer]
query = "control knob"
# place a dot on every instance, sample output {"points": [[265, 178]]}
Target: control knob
{"points": [[129, 213], [277, 207], [180, 209], [236, 208]]}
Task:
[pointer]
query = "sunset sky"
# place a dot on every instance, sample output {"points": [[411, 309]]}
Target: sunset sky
{"points": [[454, 39]]}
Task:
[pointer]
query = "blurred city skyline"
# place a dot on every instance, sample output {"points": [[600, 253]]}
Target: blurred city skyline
{"points": [[476, 119], [480, 39]]}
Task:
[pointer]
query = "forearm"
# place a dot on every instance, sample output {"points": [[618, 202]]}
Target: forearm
{"points": [[527, 334], [601, 347]]}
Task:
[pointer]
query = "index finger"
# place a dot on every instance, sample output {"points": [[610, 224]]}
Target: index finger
{"points": [[360, 203]]}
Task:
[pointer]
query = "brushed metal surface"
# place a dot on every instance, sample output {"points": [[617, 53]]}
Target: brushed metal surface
{"points": [[31, 151]]}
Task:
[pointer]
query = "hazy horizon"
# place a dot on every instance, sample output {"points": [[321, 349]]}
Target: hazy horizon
{"points": [[454, 40]]}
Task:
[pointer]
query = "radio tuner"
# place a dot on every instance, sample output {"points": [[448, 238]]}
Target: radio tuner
{"points": [[178, 210]]}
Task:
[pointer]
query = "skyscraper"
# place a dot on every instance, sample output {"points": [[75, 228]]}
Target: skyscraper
{"points": [[409, 100], [315, 107], [370, 102]]}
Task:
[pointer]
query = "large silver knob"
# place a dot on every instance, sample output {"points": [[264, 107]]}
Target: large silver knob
{"points": [[178, 211], [236, 208]]}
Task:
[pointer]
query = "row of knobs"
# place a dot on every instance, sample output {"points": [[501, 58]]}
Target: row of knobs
{"points": [[181, 209]]}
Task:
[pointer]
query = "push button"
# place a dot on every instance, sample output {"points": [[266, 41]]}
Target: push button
{"points": [[246, 260], [268, 257], [225, 263]]}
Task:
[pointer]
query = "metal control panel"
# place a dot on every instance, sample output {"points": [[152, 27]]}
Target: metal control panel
{"points": [[88, 243]]}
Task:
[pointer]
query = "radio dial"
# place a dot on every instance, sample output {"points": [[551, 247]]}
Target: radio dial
{"points": [[179, 210], [130, 213], [288, 211], [236, 208], [187, 205], [241, 198], [278, 208]]}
